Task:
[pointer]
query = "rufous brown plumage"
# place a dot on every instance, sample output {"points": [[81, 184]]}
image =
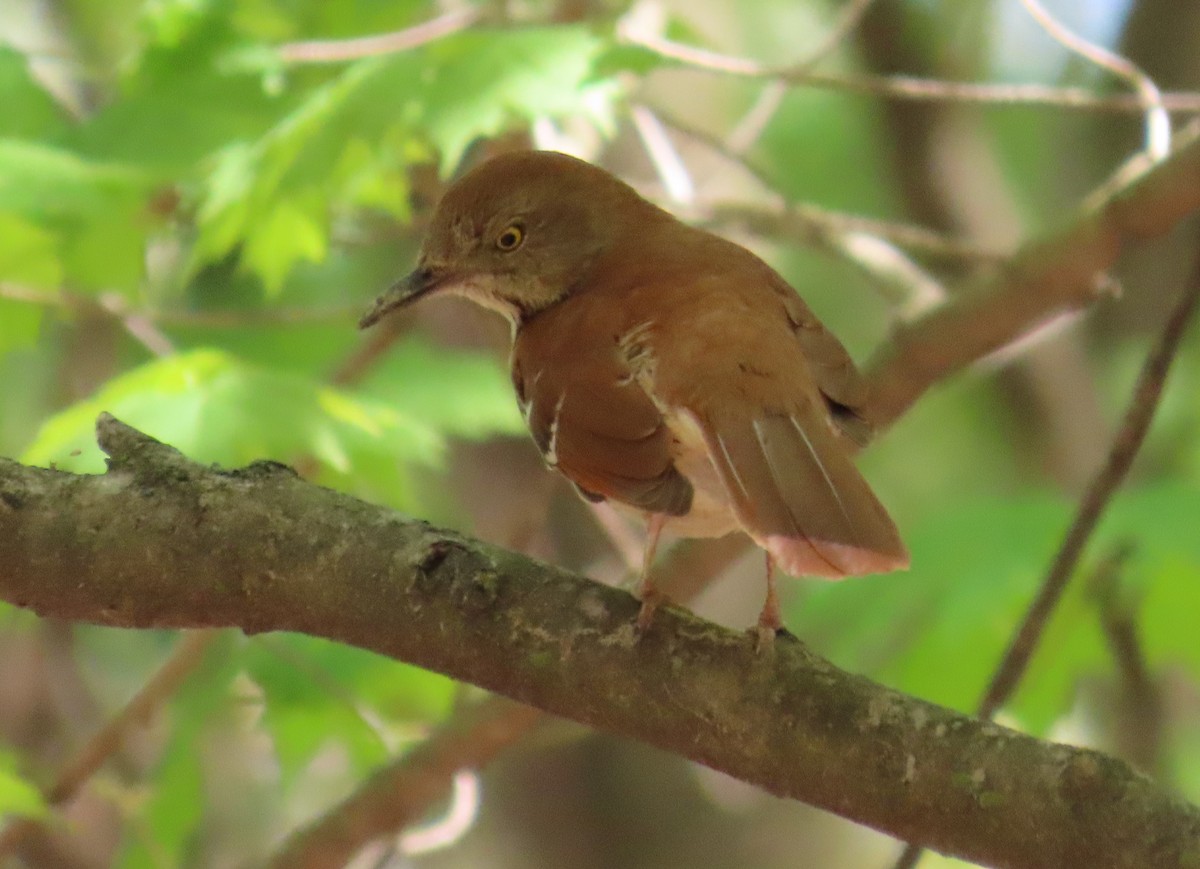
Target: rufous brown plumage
{"points": [[662, 367]]}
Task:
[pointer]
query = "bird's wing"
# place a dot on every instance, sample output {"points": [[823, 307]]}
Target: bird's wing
{"points": [[834, 372], [759, 400], [591, 419]]}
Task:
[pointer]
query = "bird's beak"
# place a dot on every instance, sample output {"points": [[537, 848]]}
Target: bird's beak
{"points": [[408, 289]]}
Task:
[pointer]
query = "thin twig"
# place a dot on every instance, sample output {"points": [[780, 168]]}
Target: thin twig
{"points": [[913, 88], [1158, 121], [118, 306], [842, 235], [337, 50], [1139, 719], [664, 156], [1096, 499], [809, 224], [184, 658], [747, 131], [849, 17]]}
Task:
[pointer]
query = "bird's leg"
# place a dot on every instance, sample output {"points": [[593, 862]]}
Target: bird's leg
{"points": [[646, 592], [770, 620]]}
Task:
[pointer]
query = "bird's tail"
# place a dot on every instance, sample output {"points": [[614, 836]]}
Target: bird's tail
{"points": [[798, 494]]}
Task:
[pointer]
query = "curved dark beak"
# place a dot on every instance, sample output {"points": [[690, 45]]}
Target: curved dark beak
{"points": [[408, 289]]}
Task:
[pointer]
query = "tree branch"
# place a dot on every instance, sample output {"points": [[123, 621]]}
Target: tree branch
{"points": [[186, 657], [160, 541], [400, 792], [906, 87], [1047, 278], [471, 738]]}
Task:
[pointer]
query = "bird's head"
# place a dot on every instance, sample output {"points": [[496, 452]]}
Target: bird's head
{"points": [[517, 234]]}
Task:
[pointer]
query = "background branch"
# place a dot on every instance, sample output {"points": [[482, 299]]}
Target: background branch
{"points": [[1048, 277], [1125, 445]]}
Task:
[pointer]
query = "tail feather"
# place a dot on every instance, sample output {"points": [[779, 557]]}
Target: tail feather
{"points": [[798, 494]]}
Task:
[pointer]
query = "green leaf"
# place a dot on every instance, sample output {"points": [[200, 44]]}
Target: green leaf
{"points": [[936, 630], [180, 100], [348, 142], [18, 796], [277, 195], [29, 112], [939, 631], [216, 408], [457, 392], [91, 214], [173, 806], [288, 234], [624, 57], [478, 82], [28, 254], [318, 693], [44, 182], [19, 325]]}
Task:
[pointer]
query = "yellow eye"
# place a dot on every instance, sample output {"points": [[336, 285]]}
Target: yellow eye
{"points": [[511, 238]]}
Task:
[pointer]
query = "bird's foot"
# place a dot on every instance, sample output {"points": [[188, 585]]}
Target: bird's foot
{"points": [[650, 598], [766, 635], [770, 624], [764, 640]]}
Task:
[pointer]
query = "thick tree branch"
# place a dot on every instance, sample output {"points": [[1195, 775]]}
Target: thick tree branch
{"points": [[159, 541], [471, 738]]}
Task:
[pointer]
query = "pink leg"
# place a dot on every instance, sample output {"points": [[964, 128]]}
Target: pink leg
{"points": [[646, 592], [770, 620]]}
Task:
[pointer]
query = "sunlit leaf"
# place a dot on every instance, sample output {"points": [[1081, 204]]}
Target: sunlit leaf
{"points": [[319, 693], [216, 408], [18, 796], [19, 325], [939, 630], [458, 392], [29, 254], [480, 81], [29, 111]]}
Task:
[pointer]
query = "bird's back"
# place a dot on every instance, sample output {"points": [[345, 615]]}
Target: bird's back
{"points": [[690, 378]]}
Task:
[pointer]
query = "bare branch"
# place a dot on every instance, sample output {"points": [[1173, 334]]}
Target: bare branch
{"points": [[1158, 120], [184, 659], [1047, 278], [337, 50], [471, 739], [159, 541], [1140, 714], [916, 89], [1095, 500], [398, 794]]}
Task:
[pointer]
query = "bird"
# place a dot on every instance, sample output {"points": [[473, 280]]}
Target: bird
{"points": [[663, 368]]}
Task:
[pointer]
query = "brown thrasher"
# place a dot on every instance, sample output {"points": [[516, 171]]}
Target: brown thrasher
{"points": [[662, 367]]}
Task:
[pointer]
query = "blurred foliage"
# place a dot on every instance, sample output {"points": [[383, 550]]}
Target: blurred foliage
{"points": [[190, 225], [18, 797]]}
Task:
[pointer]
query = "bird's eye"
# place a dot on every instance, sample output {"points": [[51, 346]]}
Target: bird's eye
{"points": [[511, 238]]}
